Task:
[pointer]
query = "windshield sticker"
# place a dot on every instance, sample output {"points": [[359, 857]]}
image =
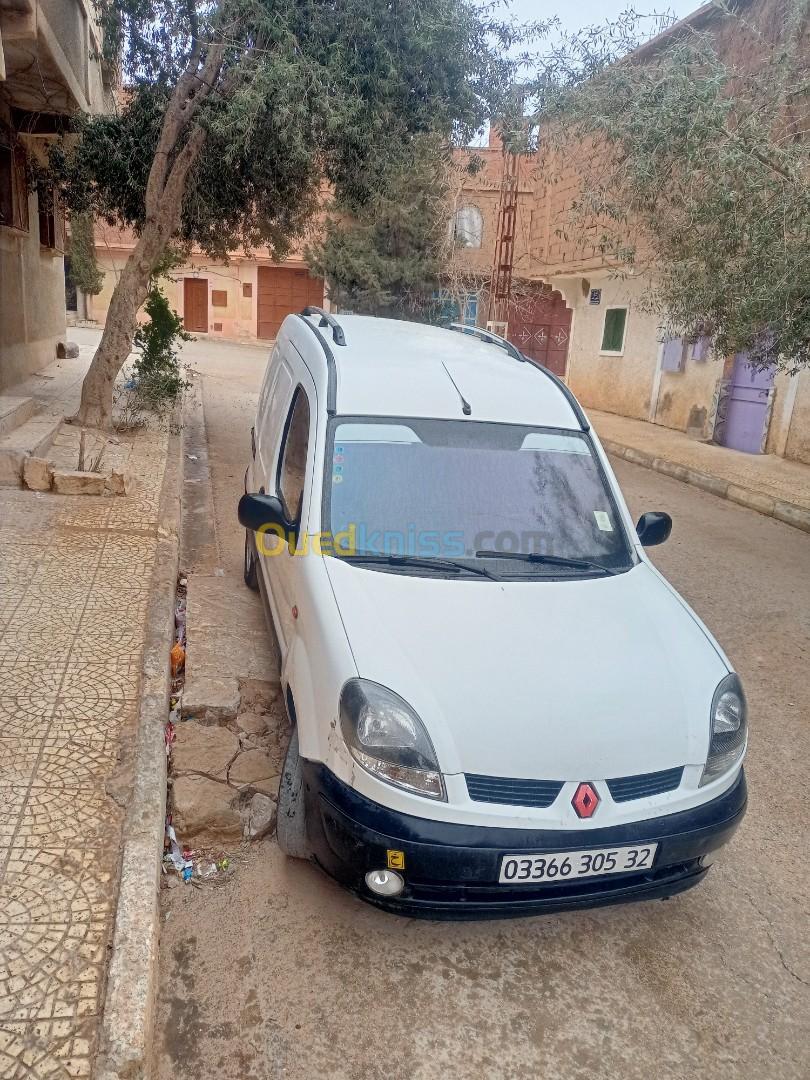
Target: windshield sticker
{"points": [[337, 478], [603, 520]]}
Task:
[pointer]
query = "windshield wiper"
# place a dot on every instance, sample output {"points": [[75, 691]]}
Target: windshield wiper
{"points": [[550, 560], [421, 563]]}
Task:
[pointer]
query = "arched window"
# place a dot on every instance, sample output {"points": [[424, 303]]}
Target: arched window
{"points": [[468, 227]]}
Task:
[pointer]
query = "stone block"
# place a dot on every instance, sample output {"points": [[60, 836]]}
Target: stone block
{"points": [[203, 749], [249, 768], [209, 700], [204, 811], [67, 350], [121, 483], [37, 474], [73, 482], [260, 816], [253, 723]]}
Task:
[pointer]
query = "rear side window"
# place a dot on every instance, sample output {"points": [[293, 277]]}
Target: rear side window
{"points": [[293, 458]]}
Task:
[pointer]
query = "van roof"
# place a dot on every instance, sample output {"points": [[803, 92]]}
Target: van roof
{"points": [[389, 367]]}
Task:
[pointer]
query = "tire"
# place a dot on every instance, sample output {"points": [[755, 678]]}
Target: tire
{"points": [[291, 829], [251, 567]]}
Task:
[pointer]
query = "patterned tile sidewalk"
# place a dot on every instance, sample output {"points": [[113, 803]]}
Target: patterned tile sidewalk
{"points": [[75, 574]]}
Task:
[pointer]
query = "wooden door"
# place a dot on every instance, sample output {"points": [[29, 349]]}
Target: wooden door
{"points": [[280, 292], [195, 304]]}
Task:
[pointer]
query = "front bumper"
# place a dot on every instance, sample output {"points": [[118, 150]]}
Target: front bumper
{"points": [[451, 871]]}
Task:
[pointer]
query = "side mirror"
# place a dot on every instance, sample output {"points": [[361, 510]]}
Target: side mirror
{"points": [[654, 528], [256, 511]]}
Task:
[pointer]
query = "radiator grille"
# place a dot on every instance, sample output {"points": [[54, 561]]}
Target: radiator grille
{"points": [[500, 789], [542, 793], [626, 788]]}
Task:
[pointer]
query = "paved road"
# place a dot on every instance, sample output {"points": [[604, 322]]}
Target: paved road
{"points": [[281, 974]]}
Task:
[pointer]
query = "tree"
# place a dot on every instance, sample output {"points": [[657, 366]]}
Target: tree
{"points": [[393, 256], [84, 271], [386, 259], [695, 163], [236, 112]]}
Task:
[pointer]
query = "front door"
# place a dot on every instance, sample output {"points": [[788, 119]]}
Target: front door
{"points": [[748, 406], [195, 304], [286, 469]]}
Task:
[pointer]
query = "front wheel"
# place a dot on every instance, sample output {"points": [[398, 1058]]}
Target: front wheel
{"points": [[251, 568], [291, 830]]}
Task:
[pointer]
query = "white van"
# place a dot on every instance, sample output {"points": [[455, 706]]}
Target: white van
{"points": [[498, 706]]}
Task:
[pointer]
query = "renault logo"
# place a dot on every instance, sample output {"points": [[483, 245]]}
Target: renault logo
{"points": [[585, 800]]}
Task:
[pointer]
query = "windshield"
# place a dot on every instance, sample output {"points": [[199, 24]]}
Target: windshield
{"points": [[497, 495]]}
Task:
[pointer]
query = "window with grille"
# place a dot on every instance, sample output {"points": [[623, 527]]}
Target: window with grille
{"points": [[51, 224], [468, 227], [463, 309], [13, 187]]}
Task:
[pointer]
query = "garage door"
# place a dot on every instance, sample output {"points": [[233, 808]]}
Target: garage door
{"points": [[281, 291]]}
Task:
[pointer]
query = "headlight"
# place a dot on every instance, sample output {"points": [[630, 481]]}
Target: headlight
{"points": [[388, 739], [729, 721]]}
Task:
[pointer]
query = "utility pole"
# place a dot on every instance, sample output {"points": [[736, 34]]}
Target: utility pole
{"points": [[503, 260]]}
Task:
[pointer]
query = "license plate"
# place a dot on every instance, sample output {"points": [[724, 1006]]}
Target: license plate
{"points": [[566, 865]]}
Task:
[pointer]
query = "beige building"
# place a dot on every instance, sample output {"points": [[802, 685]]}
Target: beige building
{"points": [[245, 299], [46, 73], [617, 359]]}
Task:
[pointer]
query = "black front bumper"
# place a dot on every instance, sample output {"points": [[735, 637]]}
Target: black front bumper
{"points": [[451, 871]]}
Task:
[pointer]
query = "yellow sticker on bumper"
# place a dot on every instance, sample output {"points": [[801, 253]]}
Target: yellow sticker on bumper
{"points": [[396, 860]]}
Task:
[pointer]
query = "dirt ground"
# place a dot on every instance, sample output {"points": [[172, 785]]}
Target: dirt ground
{"points": [[279, 973]]}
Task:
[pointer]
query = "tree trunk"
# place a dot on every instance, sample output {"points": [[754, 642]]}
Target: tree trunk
{"points": [[130, 292], [164, 195]]}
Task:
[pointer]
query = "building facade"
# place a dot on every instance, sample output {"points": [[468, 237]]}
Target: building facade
{"points": [[618, 359], [245, 299], [46, 73]]}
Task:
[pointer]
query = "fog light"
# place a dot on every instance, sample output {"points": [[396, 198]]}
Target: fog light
{"points": [[385, 882]]}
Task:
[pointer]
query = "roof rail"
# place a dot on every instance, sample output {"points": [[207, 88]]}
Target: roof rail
{"points": [[331, 366], [514, 352], [327, 319], [487, 335]]}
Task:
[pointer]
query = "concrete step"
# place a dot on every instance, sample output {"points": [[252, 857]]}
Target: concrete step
{"points": [[14, 411], [31, 439]]}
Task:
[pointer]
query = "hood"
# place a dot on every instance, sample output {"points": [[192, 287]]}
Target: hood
{"points": [[556, 680]]}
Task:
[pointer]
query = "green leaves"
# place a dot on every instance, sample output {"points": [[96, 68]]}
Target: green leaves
{"points": [[309, 92], [387, 258], [702, 178]]}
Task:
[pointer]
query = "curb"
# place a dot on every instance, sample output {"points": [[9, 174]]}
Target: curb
{"points": [[125, 1041], [786, 512]]}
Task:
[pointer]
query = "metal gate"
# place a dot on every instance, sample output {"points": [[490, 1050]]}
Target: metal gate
{"points": [[748, 406], [541, 329]]}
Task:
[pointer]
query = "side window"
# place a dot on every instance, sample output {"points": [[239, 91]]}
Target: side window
{"points": [[293, 458]]}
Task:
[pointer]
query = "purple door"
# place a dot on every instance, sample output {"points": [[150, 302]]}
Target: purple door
{"points": [[748, 404]]}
